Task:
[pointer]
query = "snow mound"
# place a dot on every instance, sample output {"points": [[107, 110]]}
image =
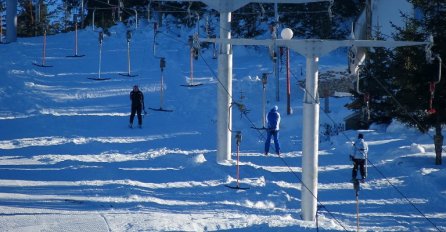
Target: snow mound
{"points": [[199, 159], [399, 128], [417, 148], [427, 171]]}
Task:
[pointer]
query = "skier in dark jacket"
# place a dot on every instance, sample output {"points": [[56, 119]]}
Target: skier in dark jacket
{"points": [[137, 98], [273, 126]]}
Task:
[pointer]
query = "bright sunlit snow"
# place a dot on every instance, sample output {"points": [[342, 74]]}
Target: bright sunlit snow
{"points": [[69, 162]]}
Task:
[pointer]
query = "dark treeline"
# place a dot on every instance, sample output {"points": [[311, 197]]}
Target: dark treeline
{"points": [[316, 20]]}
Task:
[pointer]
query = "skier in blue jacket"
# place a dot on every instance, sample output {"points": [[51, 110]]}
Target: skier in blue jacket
{"points": [[359, 157], [273, 126]]}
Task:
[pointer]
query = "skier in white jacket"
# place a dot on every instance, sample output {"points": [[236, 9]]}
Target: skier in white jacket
{"points": [[359, 157]]}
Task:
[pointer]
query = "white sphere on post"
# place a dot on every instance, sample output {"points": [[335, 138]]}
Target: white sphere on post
{"points": [[286, 33]]}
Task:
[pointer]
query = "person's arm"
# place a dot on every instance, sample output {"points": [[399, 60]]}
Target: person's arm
{"points": [[366, 148]]}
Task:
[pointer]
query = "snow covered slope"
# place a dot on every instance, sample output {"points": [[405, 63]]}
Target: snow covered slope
{"points": [[68, 161]]}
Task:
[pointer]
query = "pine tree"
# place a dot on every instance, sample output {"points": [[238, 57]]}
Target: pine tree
{"points": [[375, 84], [414, 73], [34, 19]]}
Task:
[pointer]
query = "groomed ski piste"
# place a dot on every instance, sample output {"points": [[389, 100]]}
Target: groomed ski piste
{"points": [[69, 162]]}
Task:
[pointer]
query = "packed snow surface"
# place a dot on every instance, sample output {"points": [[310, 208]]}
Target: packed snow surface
{"points": [[69, 162]]}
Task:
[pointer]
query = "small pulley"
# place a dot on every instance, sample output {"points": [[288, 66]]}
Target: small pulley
{"points": [[367, 106], [101, 37], [162, 63], [238, 137], [129, 36], [195, 45]]}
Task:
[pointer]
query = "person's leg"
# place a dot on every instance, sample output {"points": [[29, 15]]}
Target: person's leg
{"points": [[355, 168], [139, 111], [361, 168], [267, 142], [276, 141], [132, 114]]}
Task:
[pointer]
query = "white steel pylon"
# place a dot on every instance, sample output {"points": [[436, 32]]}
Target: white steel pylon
{"points": [[224, 90], [312, 49]]}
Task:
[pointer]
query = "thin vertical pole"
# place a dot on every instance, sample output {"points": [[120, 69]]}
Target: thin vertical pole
{"points": [[356, 187], [357, 212], [191, 76], [288, 84], [277, 55], [93, 16], [162, 66], [82, 14], [128, 56], [44, 47], [162, 90], [264, 81], [75, 39], [238, 167], [100, 53], [155, 29], [263, 106]]}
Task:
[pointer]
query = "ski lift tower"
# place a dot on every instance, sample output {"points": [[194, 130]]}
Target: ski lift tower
{"points": [[224, 90], [312, 49]]}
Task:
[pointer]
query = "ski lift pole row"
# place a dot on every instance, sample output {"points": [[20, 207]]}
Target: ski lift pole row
{"points": [[101, 39], [43, 63], [162, 66], [76, 47], [128, 74], [44, 48], [129, 37], [238, 139]]}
